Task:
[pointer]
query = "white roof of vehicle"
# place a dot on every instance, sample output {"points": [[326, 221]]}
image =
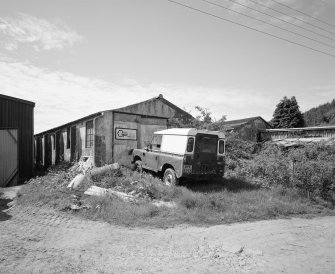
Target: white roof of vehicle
{"points": [[188, 132]]}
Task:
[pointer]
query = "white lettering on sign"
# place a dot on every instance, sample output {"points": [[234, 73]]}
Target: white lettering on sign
{"points": [[125, 134]]}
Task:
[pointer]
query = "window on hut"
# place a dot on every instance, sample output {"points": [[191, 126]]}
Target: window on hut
{"points": [[68, 137], [89, 133], [53, 141]]}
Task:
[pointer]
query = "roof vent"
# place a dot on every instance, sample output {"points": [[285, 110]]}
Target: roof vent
{"points": [[160, 96]]}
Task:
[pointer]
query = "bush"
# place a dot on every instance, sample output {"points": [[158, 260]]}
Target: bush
{"points": [[238, 150], [310, 169], [314, 170]]}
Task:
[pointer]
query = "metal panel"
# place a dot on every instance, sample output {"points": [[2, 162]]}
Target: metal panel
{"points": [[19, 114], [73, 142], [124, 147], [9, 167], [148, 127], [144, 128], [53, 149]]}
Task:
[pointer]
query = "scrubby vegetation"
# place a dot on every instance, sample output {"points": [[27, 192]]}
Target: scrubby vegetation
{"points": [[309, 169], [261, 183], [321, 115]]}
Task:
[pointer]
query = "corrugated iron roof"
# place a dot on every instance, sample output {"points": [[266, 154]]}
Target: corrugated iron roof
{"points": [[160, 97], [16, 99], [71, 123], [232, 124], [291, 142], [299, 129]]}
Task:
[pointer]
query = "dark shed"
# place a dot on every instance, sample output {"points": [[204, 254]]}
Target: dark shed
{"points": [[248, 128], [16, 140]]}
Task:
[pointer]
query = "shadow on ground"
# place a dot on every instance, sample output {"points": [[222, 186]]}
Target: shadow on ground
{"points": [[3, 206], [218, 185], [232, 184]]}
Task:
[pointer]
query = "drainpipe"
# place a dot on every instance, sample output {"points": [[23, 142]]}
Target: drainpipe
{"points": [[94, 139], [113, 137]]}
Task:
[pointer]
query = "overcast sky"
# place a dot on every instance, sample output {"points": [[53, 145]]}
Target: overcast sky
{"points": [[76, 57]]}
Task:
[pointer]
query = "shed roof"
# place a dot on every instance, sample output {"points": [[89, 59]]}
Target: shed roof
{"points": [[233, 124], [299, 129], [291, 142], [162, 99], [17, 100], [121, 110], [91, 116]]}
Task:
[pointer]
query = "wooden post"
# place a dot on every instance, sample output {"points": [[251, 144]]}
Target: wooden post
{"points": [[292, 168]]}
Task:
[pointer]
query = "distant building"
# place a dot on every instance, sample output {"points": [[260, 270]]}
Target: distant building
{"points": [[16, 140], [293, 136], [248, 128], [107, 136]]}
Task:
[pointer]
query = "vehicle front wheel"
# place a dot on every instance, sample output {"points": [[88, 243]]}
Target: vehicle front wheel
{"points": [[138, 166], [170, 177]]}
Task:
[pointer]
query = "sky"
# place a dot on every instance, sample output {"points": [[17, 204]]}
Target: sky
{"points": [[77, 57]]}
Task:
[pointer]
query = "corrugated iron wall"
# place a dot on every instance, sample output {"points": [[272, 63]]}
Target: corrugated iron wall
{"points": [[8, 157], [277, 134], [19, 114]]}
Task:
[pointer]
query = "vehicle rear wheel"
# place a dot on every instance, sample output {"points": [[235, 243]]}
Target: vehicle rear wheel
{"points": [[170, 177], [138, 166]]}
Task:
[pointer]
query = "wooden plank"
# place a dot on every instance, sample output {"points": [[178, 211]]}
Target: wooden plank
{"points": [[8, 157], [14, 138]]}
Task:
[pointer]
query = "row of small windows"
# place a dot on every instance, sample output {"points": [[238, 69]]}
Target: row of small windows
{"points": [[89, 135]]}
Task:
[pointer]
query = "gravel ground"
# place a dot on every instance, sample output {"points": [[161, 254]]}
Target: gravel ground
{"points": [[40, 240]]}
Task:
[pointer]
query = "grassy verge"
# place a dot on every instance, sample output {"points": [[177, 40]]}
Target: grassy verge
{"points": [[202, 203]]}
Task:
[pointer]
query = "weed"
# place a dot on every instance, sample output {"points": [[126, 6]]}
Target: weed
{"points": [[220, 201]]}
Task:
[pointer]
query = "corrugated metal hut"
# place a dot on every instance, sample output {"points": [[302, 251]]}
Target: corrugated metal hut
{"points": [[108, 136], [248, 128], [303, 134], [16, 140]]}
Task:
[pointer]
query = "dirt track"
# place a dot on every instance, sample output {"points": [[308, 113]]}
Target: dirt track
{"points": [[35, 240]]}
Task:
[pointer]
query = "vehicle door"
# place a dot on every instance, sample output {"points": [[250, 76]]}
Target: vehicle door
{"points": [[151, 158], [205, 153]]}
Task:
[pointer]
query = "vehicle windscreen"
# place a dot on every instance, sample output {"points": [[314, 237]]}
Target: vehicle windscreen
{"points": [[206, 144]]}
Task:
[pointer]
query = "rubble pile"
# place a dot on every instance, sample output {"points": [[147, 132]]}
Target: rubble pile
{"points": [[80, 181]]}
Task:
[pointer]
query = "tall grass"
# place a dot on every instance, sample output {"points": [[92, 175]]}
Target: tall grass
{"points": [[261, 185], [202, 208], [311, 169]]}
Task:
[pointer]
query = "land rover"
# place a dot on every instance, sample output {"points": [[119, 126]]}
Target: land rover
{"points": [[183, 153]]}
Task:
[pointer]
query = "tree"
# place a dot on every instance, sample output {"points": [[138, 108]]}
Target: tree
{"points": [[321, 115], [203, 120], [287, 114]]}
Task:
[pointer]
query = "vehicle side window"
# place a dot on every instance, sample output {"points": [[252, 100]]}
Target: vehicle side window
{"points": [[190, 144], [221, 147], [156, 142]]}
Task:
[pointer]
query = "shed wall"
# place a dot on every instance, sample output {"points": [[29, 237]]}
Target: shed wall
{"points": [[250, 131], [52, 147], [276, 135], [109, 148], [20, 115], [8, 157]]}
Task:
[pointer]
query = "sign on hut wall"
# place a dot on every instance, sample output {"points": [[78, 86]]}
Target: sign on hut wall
{"points": [[125, 134]]}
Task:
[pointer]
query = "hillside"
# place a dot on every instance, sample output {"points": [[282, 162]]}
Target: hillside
{"points": [[321, 115]]}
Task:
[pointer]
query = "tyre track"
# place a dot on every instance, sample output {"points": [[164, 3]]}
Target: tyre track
{"points": [[41, 240]]}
